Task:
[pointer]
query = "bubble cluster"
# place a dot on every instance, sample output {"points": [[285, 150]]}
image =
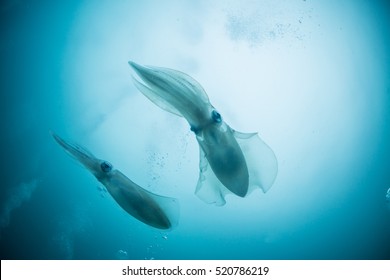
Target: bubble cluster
{"points": [[121, 255]]}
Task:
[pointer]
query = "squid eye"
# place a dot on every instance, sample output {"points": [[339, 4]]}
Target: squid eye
{"points": [[194, 129], [216, 116], [106, 166]]}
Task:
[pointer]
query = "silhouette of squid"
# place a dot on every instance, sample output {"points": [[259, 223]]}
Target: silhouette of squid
{"points": [[239, 161], [154, 210]]}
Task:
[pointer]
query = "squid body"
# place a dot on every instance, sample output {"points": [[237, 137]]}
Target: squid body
{"points": [[230, 161], [154, 210]]}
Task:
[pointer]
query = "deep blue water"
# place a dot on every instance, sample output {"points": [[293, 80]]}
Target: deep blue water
{"points": [[312, 77]]}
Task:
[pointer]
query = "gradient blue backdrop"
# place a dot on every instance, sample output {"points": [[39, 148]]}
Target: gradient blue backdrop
{"points": [[312, 77]]}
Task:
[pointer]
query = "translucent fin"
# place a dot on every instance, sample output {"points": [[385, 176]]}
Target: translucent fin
{"points": [[262, 168], [209, 188], [158, 211], [170, 206], [260, 159], [155, 98]]}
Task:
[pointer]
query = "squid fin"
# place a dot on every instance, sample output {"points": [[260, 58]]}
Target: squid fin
{"points": [[209, 188], [260, 159], [262, 168]]}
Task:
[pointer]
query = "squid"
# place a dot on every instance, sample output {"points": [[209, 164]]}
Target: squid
{"points": [[157, 211], [231, 162]]}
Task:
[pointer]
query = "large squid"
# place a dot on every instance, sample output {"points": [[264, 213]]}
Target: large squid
{"points": [[154, 210], [239, 161]]}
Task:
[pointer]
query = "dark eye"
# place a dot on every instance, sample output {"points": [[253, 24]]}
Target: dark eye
{"points": [[194, 129], [106, 166], [216, 116]]}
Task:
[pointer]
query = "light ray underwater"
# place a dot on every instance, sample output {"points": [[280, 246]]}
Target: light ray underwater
{"points": [[154, 210], [239, 161]]}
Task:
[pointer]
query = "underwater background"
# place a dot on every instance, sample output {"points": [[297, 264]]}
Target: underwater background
{"points": [[312, 77]]}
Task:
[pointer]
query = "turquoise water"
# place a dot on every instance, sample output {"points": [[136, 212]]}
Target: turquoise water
{"points": [[312, 77]]}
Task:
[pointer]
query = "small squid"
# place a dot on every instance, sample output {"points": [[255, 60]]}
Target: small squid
{"points": [[154, 210], [239, 161]]}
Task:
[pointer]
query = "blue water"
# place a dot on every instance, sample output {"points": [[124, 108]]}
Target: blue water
{"points": [[312, 77]]}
